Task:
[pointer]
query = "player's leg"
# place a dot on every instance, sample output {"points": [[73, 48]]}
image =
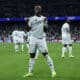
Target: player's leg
{"points": [[70, 50], [16, 46], [22, 44], [50, 63], [32, 51], [22, 47], [70, 46], [37, 54], [31, 65], [64, 48], [3, 42], [43, 48]]}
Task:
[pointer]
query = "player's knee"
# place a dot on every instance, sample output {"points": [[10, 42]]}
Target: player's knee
{"points": [[65, 45], [70, 45], [44, 54], [32, 55]]}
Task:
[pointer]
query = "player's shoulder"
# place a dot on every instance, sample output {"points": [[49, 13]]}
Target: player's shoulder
{"points": [[31, 17], [15, 31], [65, 24], [34, 16], [23, 32], [43, 17]]}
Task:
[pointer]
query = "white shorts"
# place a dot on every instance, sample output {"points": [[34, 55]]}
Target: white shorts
{"points": [[39, 44], [66, 39]]}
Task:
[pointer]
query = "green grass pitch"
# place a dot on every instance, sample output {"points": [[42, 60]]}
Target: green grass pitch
{"points": [[14, 65]]}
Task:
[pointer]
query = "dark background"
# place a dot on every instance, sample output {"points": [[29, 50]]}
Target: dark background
{"points": [[24, 8], [19, 8]]}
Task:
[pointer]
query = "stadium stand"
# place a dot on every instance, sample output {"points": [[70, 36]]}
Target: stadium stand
{"points": [[24, 8]]}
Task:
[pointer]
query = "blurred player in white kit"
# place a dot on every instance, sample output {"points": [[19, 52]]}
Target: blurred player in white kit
{"points": [[66, 38], [16, 39], [22, 36], [37, 23]]}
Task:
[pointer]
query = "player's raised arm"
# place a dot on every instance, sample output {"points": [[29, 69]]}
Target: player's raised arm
{"points": [[28, 25]]}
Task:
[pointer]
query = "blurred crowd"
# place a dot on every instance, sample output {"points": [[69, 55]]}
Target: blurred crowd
{"points": [[21, 8]]}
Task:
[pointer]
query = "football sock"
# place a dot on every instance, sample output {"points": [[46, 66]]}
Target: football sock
{"points": [[70, 50], [22, 47], [16, 47], [31, 64], [63, 51], [50, 63]]}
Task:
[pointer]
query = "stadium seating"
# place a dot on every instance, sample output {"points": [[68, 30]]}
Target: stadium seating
{"points": [[18, 8]]}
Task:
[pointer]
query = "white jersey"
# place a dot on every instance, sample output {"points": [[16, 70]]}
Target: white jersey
{"points": [[22, 34], [64, 29], [37, 26], [66, 37], [15, 34]]}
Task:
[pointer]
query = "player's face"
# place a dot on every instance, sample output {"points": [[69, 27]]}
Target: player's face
{"points": [[37, 10]]}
